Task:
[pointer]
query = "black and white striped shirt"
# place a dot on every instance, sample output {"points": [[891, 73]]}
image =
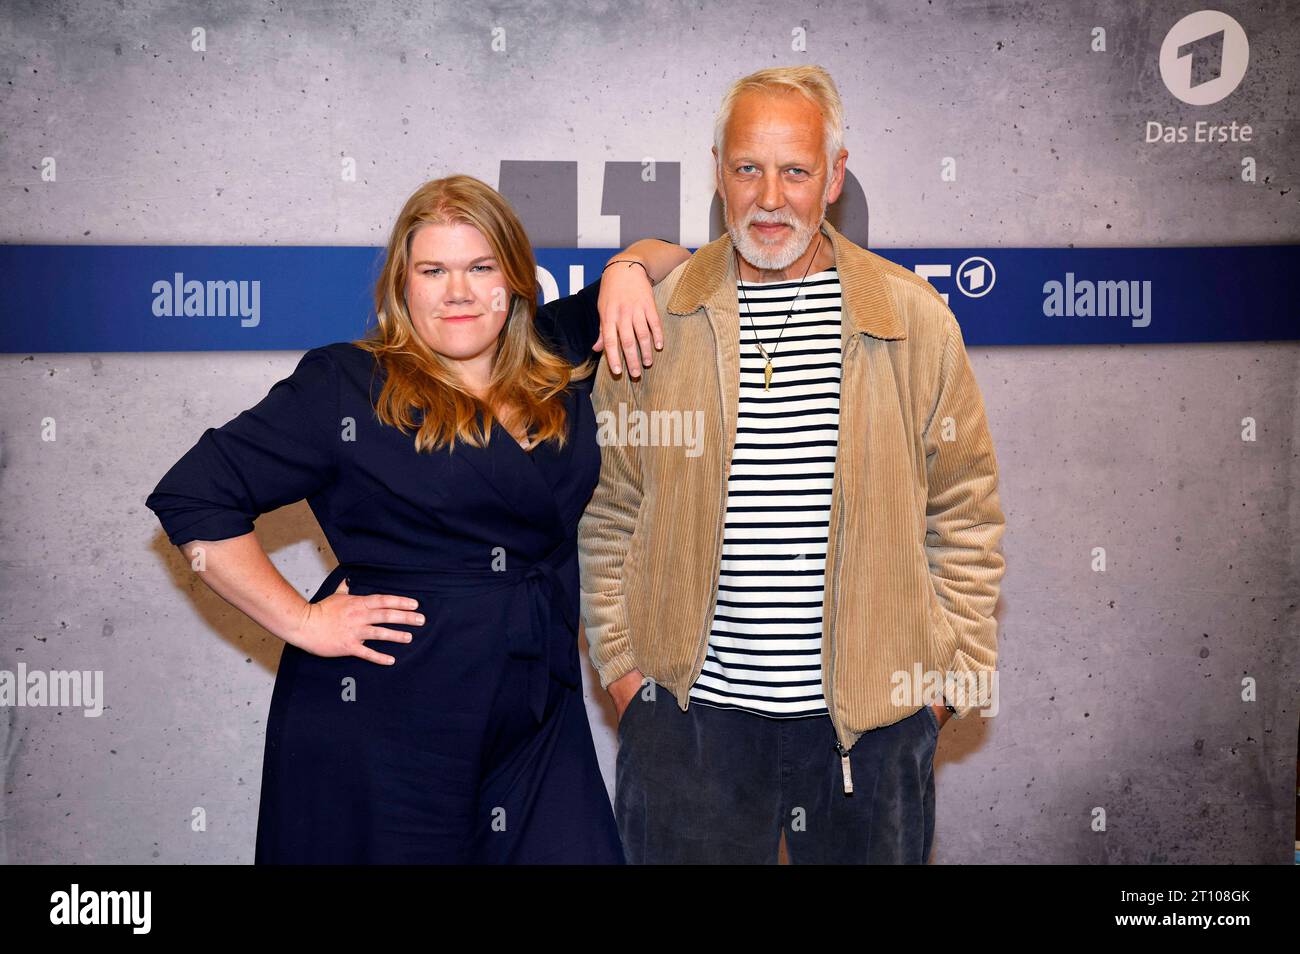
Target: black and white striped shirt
{"points": [[764, 653]]}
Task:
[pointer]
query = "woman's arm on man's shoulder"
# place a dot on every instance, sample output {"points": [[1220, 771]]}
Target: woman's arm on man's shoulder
{"points": [[617, 307], [629, 319]]}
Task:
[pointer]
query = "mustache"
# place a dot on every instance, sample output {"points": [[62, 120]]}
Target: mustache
{"points": [[772, 218]]}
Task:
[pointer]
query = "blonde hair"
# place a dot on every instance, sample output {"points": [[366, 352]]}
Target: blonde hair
{"points": [[812, 82], [527, 377]]}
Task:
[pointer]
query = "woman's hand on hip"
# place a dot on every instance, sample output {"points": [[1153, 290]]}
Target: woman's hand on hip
{"points": [[340, 624]]}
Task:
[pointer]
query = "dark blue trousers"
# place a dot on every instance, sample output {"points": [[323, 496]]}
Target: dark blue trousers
{"points": [[718, 786]]}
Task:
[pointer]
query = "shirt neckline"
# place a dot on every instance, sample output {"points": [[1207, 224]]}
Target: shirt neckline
{"points": [[828, 272]]}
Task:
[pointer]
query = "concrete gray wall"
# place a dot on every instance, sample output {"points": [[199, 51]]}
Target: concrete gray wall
{"points": [[1120, 690]]}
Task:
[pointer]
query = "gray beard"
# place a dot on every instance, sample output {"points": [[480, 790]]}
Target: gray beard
{"points": [[773, 257]]}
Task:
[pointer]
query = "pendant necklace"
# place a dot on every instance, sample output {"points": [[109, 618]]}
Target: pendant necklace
{"points": [[767, 358]]}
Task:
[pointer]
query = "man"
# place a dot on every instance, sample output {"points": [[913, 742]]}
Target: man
{"points": [[831, 551]]}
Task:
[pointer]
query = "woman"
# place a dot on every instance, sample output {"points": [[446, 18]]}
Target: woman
{"points": [[447, 457]]}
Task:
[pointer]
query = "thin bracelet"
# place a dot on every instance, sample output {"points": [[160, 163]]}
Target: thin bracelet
{"points": [[629, 262]]}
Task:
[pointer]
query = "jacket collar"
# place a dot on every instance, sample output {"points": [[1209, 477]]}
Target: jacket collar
{"points": [[867, 305]]}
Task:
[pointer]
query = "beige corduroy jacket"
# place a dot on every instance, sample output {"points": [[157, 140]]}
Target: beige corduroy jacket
{"points": [[914, 561]]}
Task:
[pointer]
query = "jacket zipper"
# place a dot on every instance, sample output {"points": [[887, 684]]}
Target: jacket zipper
{"points": [[846, 769], [717, 550], [713, 602]]}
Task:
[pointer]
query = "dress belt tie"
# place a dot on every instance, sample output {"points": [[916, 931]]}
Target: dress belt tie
{"points": [[540, 628]]}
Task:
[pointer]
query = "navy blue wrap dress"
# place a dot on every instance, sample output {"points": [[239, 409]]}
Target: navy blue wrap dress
{"points": [[474, 746]]}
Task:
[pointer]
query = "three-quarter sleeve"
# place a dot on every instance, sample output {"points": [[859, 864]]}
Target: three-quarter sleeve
{"points": [[572, 323], [279, 451]]}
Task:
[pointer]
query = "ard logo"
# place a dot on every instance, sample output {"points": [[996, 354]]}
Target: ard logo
{"points": [[1204, 57]]}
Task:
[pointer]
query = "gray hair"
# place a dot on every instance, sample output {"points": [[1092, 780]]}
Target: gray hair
{"points": [[810, 81]]}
